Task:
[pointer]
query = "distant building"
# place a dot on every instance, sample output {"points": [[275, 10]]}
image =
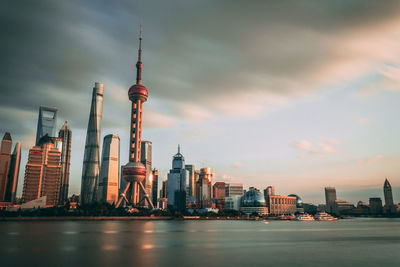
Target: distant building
{"points": [[204, 190], [253, 201], [46, 122], [109, 172], [361, 209], [310, 208], [282, 205], [299, 203], [13, 174], [91, 159], [192, 180], [269, 191], [341, 207], [38, 203], [375, 205], [65, 134], [219, 190], [233, 202], [219, 195], [5, 158], [233, 190], [162, 203], [330, 197], [387, 192], [146, 158], [176, 186], [163, 191], [154, 189], [322, 207], [42, 173]]}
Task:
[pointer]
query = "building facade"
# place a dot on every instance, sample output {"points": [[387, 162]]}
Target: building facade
{"points": [[46, 122], [387, 192], [5, 158], [342, 206], [330, 197], [146, 159], [204, 188], [109, 172], [65, 134], [42, 173], [163, 191], [192, 180], [233, 203], [13, 174], [282, 205], [91, 159], [233, 190], [375, 205], [253, 202], [154, 189], [219, 195], [177, 182]]}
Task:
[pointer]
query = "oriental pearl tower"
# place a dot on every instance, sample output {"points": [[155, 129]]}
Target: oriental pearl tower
{"points": [[134, 172]]}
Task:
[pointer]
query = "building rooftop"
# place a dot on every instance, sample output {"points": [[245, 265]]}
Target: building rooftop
{"points": [[7, 136]]}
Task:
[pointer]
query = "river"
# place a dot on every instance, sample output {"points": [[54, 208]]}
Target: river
{"points": [[348, 242]]}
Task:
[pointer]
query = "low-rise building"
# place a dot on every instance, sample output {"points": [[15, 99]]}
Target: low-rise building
{"points": [[282, 205]]}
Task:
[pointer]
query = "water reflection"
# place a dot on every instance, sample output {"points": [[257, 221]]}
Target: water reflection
{"points": [[199, 243]]}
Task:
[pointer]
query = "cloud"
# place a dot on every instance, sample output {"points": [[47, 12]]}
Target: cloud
{"points": [[363, 121], [321, 148], [154, 119], [370, 160], [237, 165]]}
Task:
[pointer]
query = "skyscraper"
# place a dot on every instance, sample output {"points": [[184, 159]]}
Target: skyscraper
{"points": [[204, 191], [387, 192], [330, 197], [176, 186], [13, 174], [135, 172], [154, 189], [146, 158], [163, 191], [42, 172], [192, 180], [5, 157], [46, 122], [109, 172], [65, 134], [91, 159]]}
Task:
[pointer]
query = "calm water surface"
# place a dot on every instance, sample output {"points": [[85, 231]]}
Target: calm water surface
{"points": [[350, 242]]}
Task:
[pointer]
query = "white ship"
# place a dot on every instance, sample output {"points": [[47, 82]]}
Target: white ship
{"points": [[304, 217], [323, 216]]}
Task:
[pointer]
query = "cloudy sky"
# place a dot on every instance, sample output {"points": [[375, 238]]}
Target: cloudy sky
{"points": [[295, 94]]}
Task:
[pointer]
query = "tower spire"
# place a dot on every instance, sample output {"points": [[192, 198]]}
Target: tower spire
{"points": [[139, 64], [179, 148]]}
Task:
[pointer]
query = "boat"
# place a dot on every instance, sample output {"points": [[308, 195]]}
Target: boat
{"points": [[304, 217], [323, 216]]}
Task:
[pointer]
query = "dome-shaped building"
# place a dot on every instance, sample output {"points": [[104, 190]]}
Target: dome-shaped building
{"points": [[253, 201]]}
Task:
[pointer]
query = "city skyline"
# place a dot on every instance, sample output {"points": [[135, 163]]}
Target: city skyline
{"points": [[328, 119]]}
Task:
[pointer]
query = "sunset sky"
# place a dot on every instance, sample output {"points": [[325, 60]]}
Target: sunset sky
{"points": [[295, 94]]}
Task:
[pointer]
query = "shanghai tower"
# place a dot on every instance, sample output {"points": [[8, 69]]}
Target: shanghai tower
{"points": [[91, 159], [134, 172]]}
